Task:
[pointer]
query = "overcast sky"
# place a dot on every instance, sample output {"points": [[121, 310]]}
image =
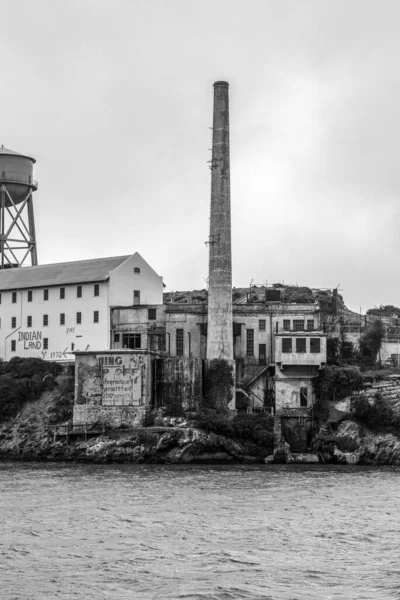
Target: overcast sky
{"points": [[114, 100]]}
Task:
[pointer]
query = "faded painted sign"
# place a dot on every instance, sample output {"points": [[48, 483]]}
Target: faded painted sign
{"points": [[121, 380]]}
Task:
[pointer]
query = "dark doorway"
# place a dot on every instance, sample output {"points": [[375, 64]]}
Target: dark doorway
{"points": [[297, 431], [262, 354]]}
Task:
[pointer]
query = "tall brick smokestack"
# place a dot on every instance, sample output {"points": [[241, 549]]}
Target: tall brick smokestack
{"points": [[220, 334]]}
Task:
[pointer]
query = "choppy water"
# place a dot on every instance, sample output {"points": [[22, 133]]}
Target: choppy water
{"points": [[198, 532]]}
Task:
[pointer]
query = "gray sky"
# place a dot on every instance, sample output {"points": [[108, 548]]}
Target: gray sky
{"points": [[114, 99]]}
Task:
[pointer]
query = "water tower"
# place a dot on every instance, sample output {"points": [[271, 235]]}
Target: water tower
{"points": [[17, 225]]}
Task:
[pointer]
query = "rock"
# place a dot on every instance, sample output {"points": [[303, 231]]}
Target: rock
{"points": [[269, 459]]}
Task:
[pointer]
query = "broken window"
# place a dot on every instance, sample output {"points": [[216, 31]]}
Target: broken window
{"points": [[116, 338], [133, 341], [315, 345], [136, 296], [301, 345], [152, 314], [303, 396], [179, 342], [310, 324], [249, 342], [262, 324], [286, 345], [286, 324], [298, 324]]}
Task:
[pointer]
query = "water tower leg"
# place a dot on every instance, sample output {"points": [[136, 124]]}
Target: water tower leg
{"points": [[2, 207], [32, 231]]}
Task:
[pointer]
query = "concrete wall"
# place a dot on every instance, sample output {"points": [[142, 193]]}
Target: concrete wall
{"points": [[62, 339], [178, 385], [287, 392], [112, 388], [124, 280]]}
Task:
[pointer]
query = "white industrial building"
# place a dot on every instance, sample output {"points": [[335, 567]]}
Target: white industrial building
{"points": [[50, 311]]}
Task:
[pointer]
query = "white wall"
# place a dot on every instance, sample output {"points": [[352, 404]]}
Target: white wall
{"points": [[123, 282], [61, 338]]}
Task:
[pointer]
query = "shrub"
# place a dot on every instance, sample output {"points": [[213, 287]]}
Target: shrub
{"points": [[255, 428], [219, 384], [335, 383], [378, 416], [371, 342]]}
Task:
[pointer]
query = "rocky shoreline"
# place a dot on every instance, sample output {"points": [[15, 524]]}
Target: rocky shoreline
{"points": [[163, 445]]}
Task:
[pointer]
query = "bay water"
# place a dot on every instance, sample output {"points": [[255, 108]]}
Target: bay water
{"points": [[149, 532]]}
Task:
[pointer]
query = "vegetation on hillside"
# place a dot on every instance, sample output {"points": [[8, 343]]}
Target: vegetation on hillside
{"points": [[22, 380]]}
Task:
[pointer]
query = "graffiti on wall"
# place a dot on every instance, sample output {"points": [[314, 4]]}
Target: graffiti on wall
{"points": [[32, 340], [121, 380]]}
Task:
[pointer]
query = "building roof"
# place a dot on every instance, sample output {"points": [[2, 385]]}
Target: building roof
{"points": [[81, 271]]}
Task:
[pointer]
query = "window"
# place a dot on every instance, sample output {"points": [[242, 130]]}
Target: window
{"points": [[286, 324], [79, 291], [95, 316], [152, 314], [13, 345], [249, 342], [303, 396], [62, 318], [29, 321], [45, 320], [298, 325], [72, 346], [45, 294], [179, 342], [136, 269], [30, 294], [136, 296], [310, 324], [45, 343], [62, 293], [96, 289], [116, 338], [262, 324], [133, 341], [286, 345], [300, 345], [14, 297], [78, 318], [0, 298], [315, 345], [13, 322]]}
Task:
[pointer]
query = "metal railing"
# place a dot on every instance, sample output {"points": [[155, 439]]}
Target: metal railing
{"points": [[20, 178]]}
